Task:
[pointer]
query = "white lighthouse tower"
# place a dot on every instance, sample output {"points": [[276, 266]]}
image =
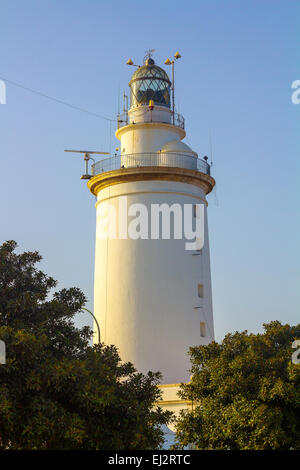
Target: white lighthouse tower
{"points": [[152, 296]]}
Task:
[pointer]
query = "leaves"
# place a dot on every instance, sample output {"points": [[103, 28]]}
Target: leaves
{"points": [[56, 391], [246, 391]]}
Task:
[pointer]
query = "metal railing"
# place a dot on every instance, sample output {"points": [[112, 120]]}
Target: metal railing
{"points": [[160, 159], [176, 120]]}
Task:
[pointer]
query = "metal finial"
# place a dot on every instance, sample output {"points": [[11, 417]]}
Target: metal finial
{"points": [[148, 54]]}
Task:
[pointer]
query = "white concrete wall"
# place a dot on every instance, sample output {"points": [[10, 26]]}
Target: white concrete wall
{"points": [[171, 159], [146, 290], [172, 402], [141, 138], [144, 114]]}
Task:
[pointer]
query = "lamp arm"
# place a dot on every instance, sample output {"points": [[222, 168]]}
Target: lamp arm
{"points": [[96, 321]]}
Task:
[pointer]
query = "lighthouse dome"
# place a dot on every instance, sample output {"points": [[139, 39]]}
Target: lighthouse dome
{"points": [[150, 82], [177, 146]]}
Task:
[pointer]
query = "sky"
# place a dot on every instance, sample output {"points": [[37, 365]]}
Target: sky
{"points": [[233, 82]]}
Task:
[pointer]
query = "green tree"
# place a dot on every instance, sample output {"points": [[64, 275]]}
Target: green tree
{"points": [[57, 391], [245, 392]]}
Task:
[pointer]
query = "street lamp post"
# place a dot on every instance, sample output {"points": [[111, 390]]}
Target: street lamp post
{"points": [[98, 327], [172, 62]]}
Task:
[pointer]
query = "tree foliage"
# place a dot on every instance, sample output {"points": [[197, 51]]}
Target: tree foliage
{"points": [[245, 391], [57, 391]]}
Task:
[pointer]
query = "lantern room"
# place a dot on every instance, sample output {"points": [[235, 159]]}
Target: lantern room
{"points": [[150, 83]]}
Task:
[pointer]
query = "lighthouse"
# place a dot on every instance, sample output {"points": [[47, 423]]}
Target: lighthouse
{"points": [[152, 295]]}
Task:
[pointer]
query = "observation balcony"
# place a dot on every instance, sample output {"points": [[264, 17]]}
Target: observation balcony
{"points": [[158, 159], [176, 119]]}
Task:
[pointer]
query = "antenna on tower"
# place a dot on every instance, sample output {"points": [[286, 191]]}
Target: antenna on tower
{"points": [[211, 148], [86, 153], [119, 114], [125, 106], [148, 54], [172, 62]]}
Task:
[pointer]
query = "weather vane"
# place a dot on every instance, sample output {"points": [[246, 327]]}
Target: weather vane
{"points": [[149, 53]]}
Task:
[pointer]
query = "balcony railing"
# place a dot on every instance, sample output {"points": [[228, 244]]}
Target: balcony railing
{"points": [[176, 120], [139, 160]]}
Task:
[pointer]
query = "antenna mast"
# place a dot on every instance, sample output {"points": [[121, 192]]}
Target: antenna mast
{"points": [[172, 62], [86, 157]]}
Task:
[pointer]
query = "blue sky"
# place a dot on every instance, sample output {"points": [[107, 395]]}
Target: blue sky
{"points": [[239, 59]]}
